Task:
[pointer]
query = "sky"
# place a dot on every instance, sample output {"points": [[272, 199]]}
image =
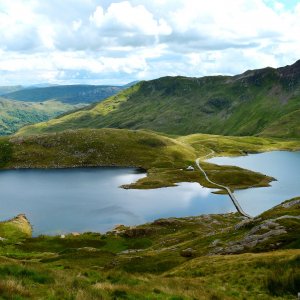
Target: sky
{"points": [[116, 42]]}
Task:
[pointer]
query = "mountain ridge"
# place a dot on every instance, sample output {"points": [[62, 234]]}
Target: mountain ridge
{"points": [[247, 104], [71, 94]]}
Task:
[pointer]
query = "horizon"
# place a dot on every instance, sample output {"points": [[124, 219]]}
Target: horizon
{"points": [[114, 42], [46, 85]]}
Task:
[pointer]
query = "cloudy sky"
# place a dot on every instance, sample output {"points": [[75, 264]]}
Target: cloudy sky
{"points": [[115, 42]]}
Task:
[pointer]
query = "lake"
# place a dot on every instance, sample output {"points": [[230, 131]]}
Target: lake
{"points": [[89, 199], [282, 165]]}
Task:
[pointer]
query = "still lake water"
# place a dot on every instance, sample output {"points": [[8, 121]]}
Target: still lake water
{"points": [[282, 165], [66, 200]]}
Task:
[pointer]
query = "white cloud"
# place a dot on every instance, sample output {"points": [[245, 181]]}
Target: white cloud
{"points": [[125, 18], [119, 41]]}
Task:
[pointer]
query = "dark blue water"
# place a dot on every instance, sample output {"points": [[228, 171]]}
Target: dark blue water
{"points": [[59, 201], [282, 165]]}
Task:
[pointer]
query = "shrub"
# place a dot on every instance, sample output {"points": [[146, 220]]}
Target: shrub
{"points": [[281, 281]]}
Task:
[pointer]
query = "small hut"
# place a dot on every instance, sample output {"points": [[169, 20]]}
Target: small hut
{"points": [[190, 168]]}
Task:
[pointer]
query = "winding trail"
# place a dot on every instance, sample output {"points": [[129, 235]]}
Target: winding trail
{"points": [[232, 197]]}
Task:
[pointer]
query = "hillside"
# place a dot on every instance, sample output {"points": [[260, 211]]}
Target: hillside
{"points": [[205, 257], [164, 158], [16, 114], [71, 94], [258, 102], [9, 89]]}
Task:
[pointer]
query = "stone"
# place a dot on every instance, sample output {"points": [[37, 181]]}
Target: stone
{"points": [[291, 203], [189, 252], [215, 243]]}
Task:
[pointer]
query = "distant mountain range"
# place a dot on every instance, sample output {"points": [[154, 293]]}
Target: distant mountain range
{"points": [[9, 89], [71, 94], [21, 105], [258, 102]]}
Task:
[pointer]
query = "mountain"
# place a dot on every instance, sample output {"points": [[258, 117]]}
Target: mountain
{"points": [[15, 114], [257, 102], [9, 89], [71, 94]]}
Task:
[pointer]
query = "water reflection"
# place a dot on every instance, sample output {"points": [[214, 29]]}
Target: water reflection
{"points": [[282, 165], [58, 201]]}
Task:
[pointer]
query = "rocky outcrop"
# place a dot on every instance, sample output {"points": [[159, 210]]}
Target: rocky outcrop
{"points": [[291, 203], [258, 234], [19, 224]]}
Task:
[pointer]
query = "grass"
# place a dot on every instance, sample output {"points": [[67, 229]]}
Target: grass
{"points": [[5, 152], [16, 114], [95, 266], [164, 158], [15, 229], [259, 102]]}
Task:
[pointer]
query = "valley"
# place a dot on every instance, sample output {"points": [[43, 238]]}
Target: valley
{"points": [[20, 106], [112, 211]]}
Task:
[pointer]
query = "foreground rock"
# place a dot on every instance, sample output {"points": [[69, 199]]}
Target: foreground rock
{"points": [[18, 227]]}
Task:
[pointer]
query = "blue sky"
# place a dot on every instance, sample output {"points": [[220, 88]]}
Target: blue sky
{"points": [[117, 41], [288, 4]]}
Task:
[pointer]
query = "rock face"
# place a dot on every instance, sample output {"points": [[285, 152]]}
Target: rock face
{"points": [[257, 235]]}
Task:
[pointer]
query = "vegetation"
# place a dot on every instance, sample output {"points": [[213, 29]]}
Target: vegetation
{"points": [[207, 257], [260, 102], [165, 159], [71, 94], [15, 114], [171, 258]]}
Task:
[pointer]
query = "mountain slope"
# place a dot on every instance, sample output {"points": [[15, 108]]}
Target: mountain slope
{"points": [[246, 104], [72, 94], [15, 114], [9, 89]]}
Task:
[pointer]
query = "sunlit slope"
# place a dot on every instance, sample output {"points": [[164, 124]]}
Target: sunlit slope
{"points": [[16, 114], [164, 158]]}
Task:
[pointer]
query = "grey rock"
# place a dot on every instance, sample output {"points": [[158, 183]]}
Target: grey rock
{"points": [[189, 252], [291, 203]]}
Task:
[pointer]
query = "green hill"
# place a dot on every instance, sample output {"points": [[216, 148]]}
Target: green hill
{"points": [[253, 103], [16, 114], [165, 159], [71, 94]]}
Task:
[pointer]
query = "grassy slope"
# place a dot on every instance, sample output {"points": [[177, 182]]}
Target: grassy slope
{"points": [[164, 158], [151, 261], [16, 114], [247, 104], [287, 125]]}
